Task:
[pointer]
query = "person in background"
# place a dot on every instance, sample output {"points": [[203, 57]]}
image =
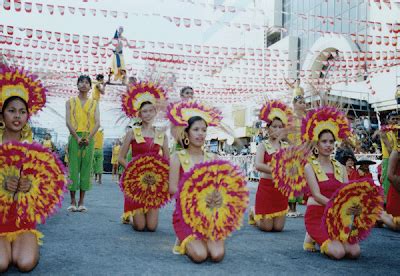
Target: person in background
{"points": [[47, 143], [83, 121], [186, 93], [99, 88], [98, 156], [114, 158]]}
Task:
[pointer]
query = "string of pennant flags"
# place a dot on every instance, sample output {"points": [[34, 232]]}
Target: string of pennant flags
{"points": [[190, 22]]}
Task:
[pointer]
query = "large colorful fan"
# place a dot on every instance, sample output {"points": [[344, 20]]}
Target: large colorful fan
{"points": [[179, 113], [145, 181], [348, 228], [140, 93], [288, 171], [18, 82], [202, 212], [46, 173], [325, 118], [276, 109]]}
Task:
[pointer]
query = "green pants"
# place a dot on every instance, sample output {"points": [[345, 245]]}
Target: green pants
{"points": [[98, 159], [80, 164], [385, 179]]}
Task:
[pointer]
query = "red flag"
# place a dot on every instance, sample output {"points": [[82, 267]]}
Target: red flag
{"points": [[39, 7], [67, 37], [57, 35], [82, 11], [51, 9], [39, 34], [7, 5], [29, 33], [61, 9], [17, 5], [10, 30]]}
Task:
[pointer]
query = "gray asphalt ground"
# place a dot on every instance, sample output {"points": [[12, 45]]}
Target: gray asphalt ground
{"points": [[96, 243]]}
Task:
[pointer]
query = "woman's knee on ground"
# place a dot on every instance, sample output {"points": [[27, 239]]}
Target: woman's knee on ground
{"points": [[266, 225], [196, 251], [336, 250]]}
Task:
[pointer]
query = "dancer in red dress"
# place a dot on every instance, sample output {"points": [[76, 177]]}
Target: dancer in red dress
{"points": [[271, 205], [324, 176], [392, 215], [144, 139], [21, 96]]}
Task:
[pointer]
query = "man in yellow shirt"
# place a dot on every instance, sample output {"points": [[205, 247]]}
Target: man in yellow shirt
{"points": [[83, 121], [99, 88], [98, 156]]}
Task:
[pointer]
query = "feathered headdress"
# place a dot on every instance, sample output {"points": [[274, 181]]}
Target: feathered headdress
{"points": [[139, 93], [20, 83], [325, 118], [276, 109], [179, 113]]}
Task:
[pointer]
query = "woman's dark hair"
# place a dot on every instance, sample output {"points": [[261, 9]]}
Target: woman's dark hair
{"points": [[9, 100], [84, 77], [184, 88], [275, 118], [191, 121], [326, 131], [144, 103], [100, 77]]}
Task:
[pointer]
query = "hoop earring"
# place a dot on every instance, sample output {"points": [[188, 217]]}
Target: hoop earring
{"points": [[2, 125], [186, 141], [315, 151]]}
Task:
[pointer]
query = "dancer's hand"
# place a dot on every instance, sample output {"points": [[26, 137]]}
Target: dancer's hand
{"points": [[24, 184], [11, 184], [79, 140], [354, 210]]}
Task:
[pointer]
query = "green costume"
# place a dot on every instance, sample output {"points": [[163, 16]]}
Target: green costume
{"points": [[80, 158]]}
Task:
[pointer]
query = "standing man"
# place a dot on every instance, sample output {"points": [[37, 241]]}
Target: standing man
{"points": [[98, 156], [83, 121], [99, 88]]}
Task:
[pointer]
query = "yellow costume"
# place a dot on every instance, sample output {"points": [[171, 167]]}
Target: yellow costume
{"points": [[115, 153]]}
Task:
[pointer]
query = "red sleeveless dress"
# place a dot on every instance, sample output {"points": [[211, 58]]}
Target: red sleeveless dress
{"points": [[314, 213], [131, 207], [393, 201], [270, 202]]}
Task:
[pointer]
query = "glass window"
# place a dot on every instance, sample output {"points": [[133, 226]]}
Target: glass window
{"points": [[338, 10], [331, 8]]}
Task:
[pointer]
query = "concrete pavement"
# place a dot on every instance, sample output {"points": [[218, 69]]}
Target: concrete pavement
{"points": [[96, 243]]}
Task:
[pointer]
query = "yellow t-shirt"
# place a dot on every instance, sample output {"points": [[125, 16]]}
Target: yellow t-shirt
{"points": [[98, 140], [96, 93], [392, 140], [82, 117]]}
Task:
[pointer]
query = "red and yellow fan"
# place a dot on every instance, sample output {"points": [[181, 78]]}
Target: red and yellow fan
{"points": [[46, 174], [145, 181], [200, 189], [345, 227]]}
